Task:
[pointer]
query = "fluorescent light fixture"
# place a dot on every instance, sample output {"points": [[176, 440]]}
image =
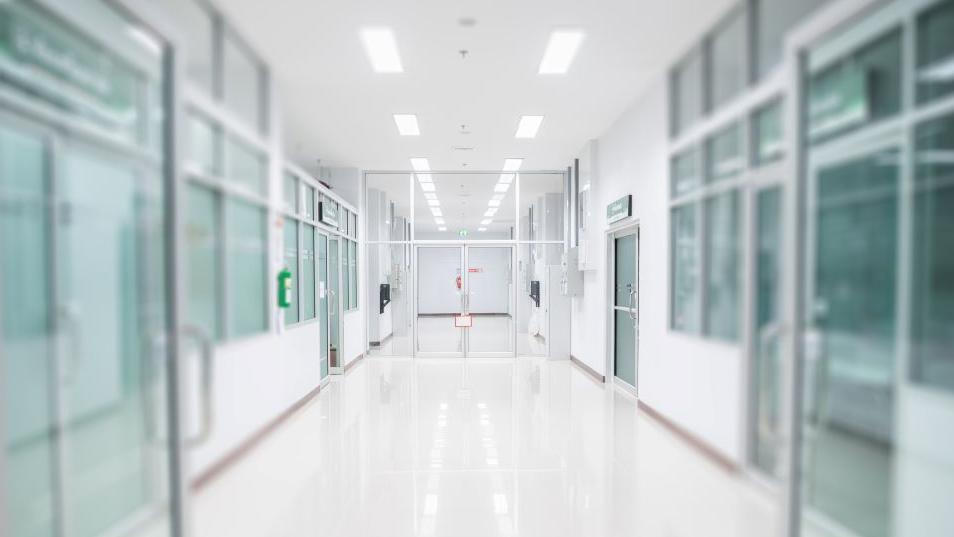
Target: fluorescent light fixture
{"points": [[498, 197], [434, 203], [486, 222], [428, 187], [419, 164], [436, 211], [506, 177], [430, 196], [491, 211], [439, 221], [407, 124], [512, 164], [494, 203], [442, 228], [382, 50], [501, 187], [528, 126], [561, 49], [481, 229]]}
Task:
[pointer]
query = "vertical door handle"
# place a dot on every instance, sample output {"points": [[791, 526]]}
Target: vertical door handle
{"points": [[69, 320], [206, 355], [632, 303]]}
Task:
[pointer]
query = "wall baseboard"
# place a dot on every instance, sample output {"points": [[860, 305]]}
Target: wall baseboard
{"points": [[701, 446], [588, 370], [243, 449], [353, 363]]}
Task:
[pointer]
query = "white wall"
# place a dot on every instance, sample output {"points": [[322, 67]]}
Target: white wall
{"points": [[695, 383]]}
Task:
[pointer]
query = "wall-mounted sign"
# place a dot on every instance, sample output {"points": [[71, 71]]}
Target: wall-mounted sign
{"points": [[328, 213], [619, 209]]}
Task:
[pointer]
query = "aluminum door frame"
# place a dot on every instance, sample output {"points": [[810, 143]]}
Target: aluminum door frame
{"points": [[511, 299], [417, 289], [629, 228]]}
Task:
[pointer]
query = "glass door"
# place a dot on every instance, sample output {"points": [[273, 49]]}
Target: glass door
{"points": [[323, 303], [625, 310], [334, 307], [441, 298], [489, 300]]}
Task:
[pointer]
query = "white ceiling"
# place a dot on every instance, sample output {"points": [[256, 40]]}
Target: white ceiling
{"points": [[337, 109]]}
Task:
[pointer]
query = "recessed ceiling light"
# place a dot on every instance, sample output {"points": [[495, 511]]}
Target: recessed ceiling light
{"points": [[481, 229], [419, 164], [436, 211], [442, 228], [382, 50], [498, 197], [501, 187], [512, 164], [427, 187], [430, 196], [528, 126], [506, 178], [491, 211], [407, 124], [560, 52], [494, 203], [439, 221], [434, 203], [486, 222]]}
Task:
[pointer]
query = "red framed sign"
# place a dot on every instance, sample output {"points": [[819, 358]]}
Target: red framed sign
{"points": [[463, 321]]}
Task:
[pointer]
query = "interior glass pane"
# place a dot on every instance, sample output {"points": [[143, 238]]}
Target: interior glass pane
{"points": [[541, 207], [388, 207], [685, 270], [489, 287], [197, 29], [457, 206], [774, 19], [246, 167], [310, 203], [724, 154], [535, 264], [687, 92], [353, 267], [935, 52], [440, 298], [686, 175], [290, 192], [203, 239], [334, 302], [768, 139], [389, 299], [932, 337], [323, 302], [728, 52], [723, 265], [204, 139], [345, 275], [246, 249], [243, 82], [308, 271], [291, 263]]}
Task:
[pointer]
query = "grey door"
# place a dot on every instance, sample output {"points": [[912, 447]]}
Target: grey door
{"points": [[625, 307]]}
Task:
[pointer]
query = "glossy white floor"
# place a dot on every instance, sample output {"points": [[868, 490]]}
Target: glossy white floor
{"points": [[477, 447]]}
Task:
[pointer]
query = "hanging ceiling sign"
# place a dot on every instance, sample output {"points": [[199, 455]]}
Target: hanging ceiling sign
{"points": [[619, 209], [328, 213]]}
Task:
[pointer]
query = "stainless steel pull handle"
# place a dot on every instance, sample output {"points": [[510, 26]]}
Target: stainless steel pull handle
{"points": [[68, 319], [632, 304], [207, 356]]}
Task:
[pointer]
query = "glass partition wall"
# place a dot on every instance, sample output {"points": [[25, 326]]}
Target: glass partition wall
{"points": [[484, 246]]}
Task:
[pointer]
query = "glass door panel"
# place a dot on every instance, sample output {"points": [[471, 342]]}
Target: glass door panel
{"points": [[625, 312], [850, 365], [323, 293], [489, 300], [334, 304], [440, 298]]}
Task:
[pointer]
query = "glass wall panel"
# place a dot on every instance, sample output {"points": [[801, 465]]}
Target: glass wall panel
{"points": [[204, 143], [334, 302], [310, 213], [388, 207], [345, 275], [767, 137], [197, 28], [323, 301], [685, 270], [452, 207], [773, 20], [290, 191], [246, 167], [932, 336], [687, 92], [489, 288], [862, 87], [203, 237], [440, 297], [541, 207], [291, 263], [308, 290], [723, 266], [728, 52], [243, 82], [724, 157], [935, 52], [246, 249], [686, 175], [353, 269], [535, 263], [389, 301]]}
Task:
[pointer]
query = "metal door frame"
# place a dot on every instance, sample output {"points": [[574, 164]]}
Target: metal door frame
{"points": [[624, 230], [324, 329], [340, 369]]}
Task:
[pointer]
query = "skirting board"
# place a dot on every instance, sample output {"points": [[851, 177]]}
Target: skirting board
{"points": [[710, 453], [353, 363], [587, 369]]}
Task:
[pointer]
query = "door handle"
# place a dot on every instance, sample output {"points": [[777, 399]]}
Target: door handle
{"points": [[632, 303], [206, 353], [68, 318]]}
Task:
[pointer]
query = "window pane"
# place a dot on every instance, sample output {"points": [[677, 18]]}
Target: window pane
{"points": [[291, 263], [197, 29], [290, 193], [345, 276], [353, 265], [856, 90], [685, 173], [687, 92], [308, 271], [724, 154], [243, 83], [722, 236], [246, 249], [310, 203], [203, 237], [935, 52], [247, 167], [774, 18], [728, 60], [354, 225], [685, 270], [203, 146], [767, 134], [932, 345]]}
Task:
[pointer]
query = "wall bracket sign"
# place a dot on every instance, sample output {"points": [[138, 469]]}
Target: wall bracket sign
{"points": [[619, 209]]}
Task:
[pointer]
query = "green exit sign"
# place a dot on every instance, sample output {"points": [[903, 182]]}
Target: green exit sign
{"points": [[462, 233], [619, 209]]}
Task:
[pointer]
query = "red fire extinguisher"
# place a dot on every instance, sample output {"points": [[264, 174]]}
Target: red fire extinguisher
{"points": [[459, 282]]}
